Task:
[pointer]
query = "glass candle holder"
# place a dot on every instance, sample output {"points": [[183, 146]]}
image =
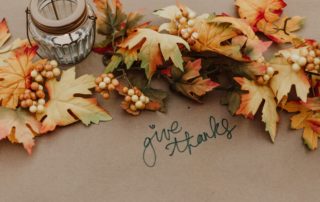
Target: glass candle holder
{"points": [[63, 29]]}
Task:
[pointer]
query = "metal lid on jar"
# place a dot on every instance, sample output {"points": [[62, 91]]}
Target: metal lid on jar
{"points": [[58, 26]]}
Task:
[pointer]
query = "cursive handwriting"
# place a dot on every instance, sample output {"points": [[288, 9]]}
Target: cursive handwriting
{"points": [[222, 128]]}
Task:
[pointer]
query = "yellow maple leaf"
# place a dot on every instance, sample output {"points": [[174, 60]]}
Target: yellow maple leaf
{"points": [[155, 49], [14, 76], [282, 30], [255, 10], [285, 78], [19, 127], [230, 37], [304, 120], [250, 103], [65, 106]]}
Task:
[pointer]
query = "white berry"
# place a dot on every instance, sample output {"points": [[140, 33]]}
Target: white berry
{"points": [[34, 73], [316, 61], [40, 87], [135, 98], [186, 35], [147, 100], [183, 20], [107, 80], [191, 23], [270, 71], [102, 85], [56, 72], [304, 52], [295, 57], [296, 67], [142, 98], [40, 109], [195, 35], [33, 109], [312, 53], [286, 54], [131, 92], [41, 102], [139, 105], [302, 61], [54, 63], [39, 78], [266, 77]]}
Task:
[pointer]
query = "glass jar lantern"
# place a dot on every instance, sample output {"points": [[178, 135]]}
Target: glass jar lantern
{"points": [[63, 29]]}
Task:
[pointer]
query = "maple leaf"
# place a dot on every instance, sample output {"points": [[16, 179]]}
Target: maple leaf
{"points": [[306, 120], [229, 36], [250, 103], [66, 107], [123, 55], [254, 11], [113, 22], [155, 49], [282, 30], [285, 78], [14, 76], [4, 32], [192, 84], [19, 127]]}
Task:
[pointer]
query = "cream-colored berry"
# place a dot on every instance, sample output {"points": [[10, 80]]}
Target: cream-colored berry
{"points": [[56, 72], [266, 77], [142, 98], [304, 52], [195, 35], [270, 71], [131, 92], [39, 79], [295, 57], [316, 61], [49, 75], [147, 100], [41, 102], [102, 85], [34, 73], [186, 35], [40, 87], [140, 105], [115, 82], [312, 53], [135, 98], [107, 80], [184, 31], [296, 67], [33, 109], [40, 109], [183, 20], [191, 23], [302, 61], [54, 63]]}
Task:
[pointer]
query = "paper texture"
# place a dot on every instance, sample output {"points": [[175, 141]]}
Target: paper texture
{"points": [[105, 162]]}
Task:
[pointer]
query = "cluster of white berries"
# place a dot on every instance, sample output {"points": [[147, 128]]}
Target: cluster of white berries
{"points": [[33, 98], [48, 71], [185, 22], [106, 83], [262, 80], [135, 99], [307, 58]]}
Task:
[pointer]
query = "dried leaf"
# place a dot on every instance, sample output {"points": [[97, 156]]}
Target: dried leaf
{"points": [[156, 49], [286, 78], [304, 120], [4, 32], [19, 127], [282, 30], [192, 84], [254, 11], [251, 102], [14, 76], [66, 107]]}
